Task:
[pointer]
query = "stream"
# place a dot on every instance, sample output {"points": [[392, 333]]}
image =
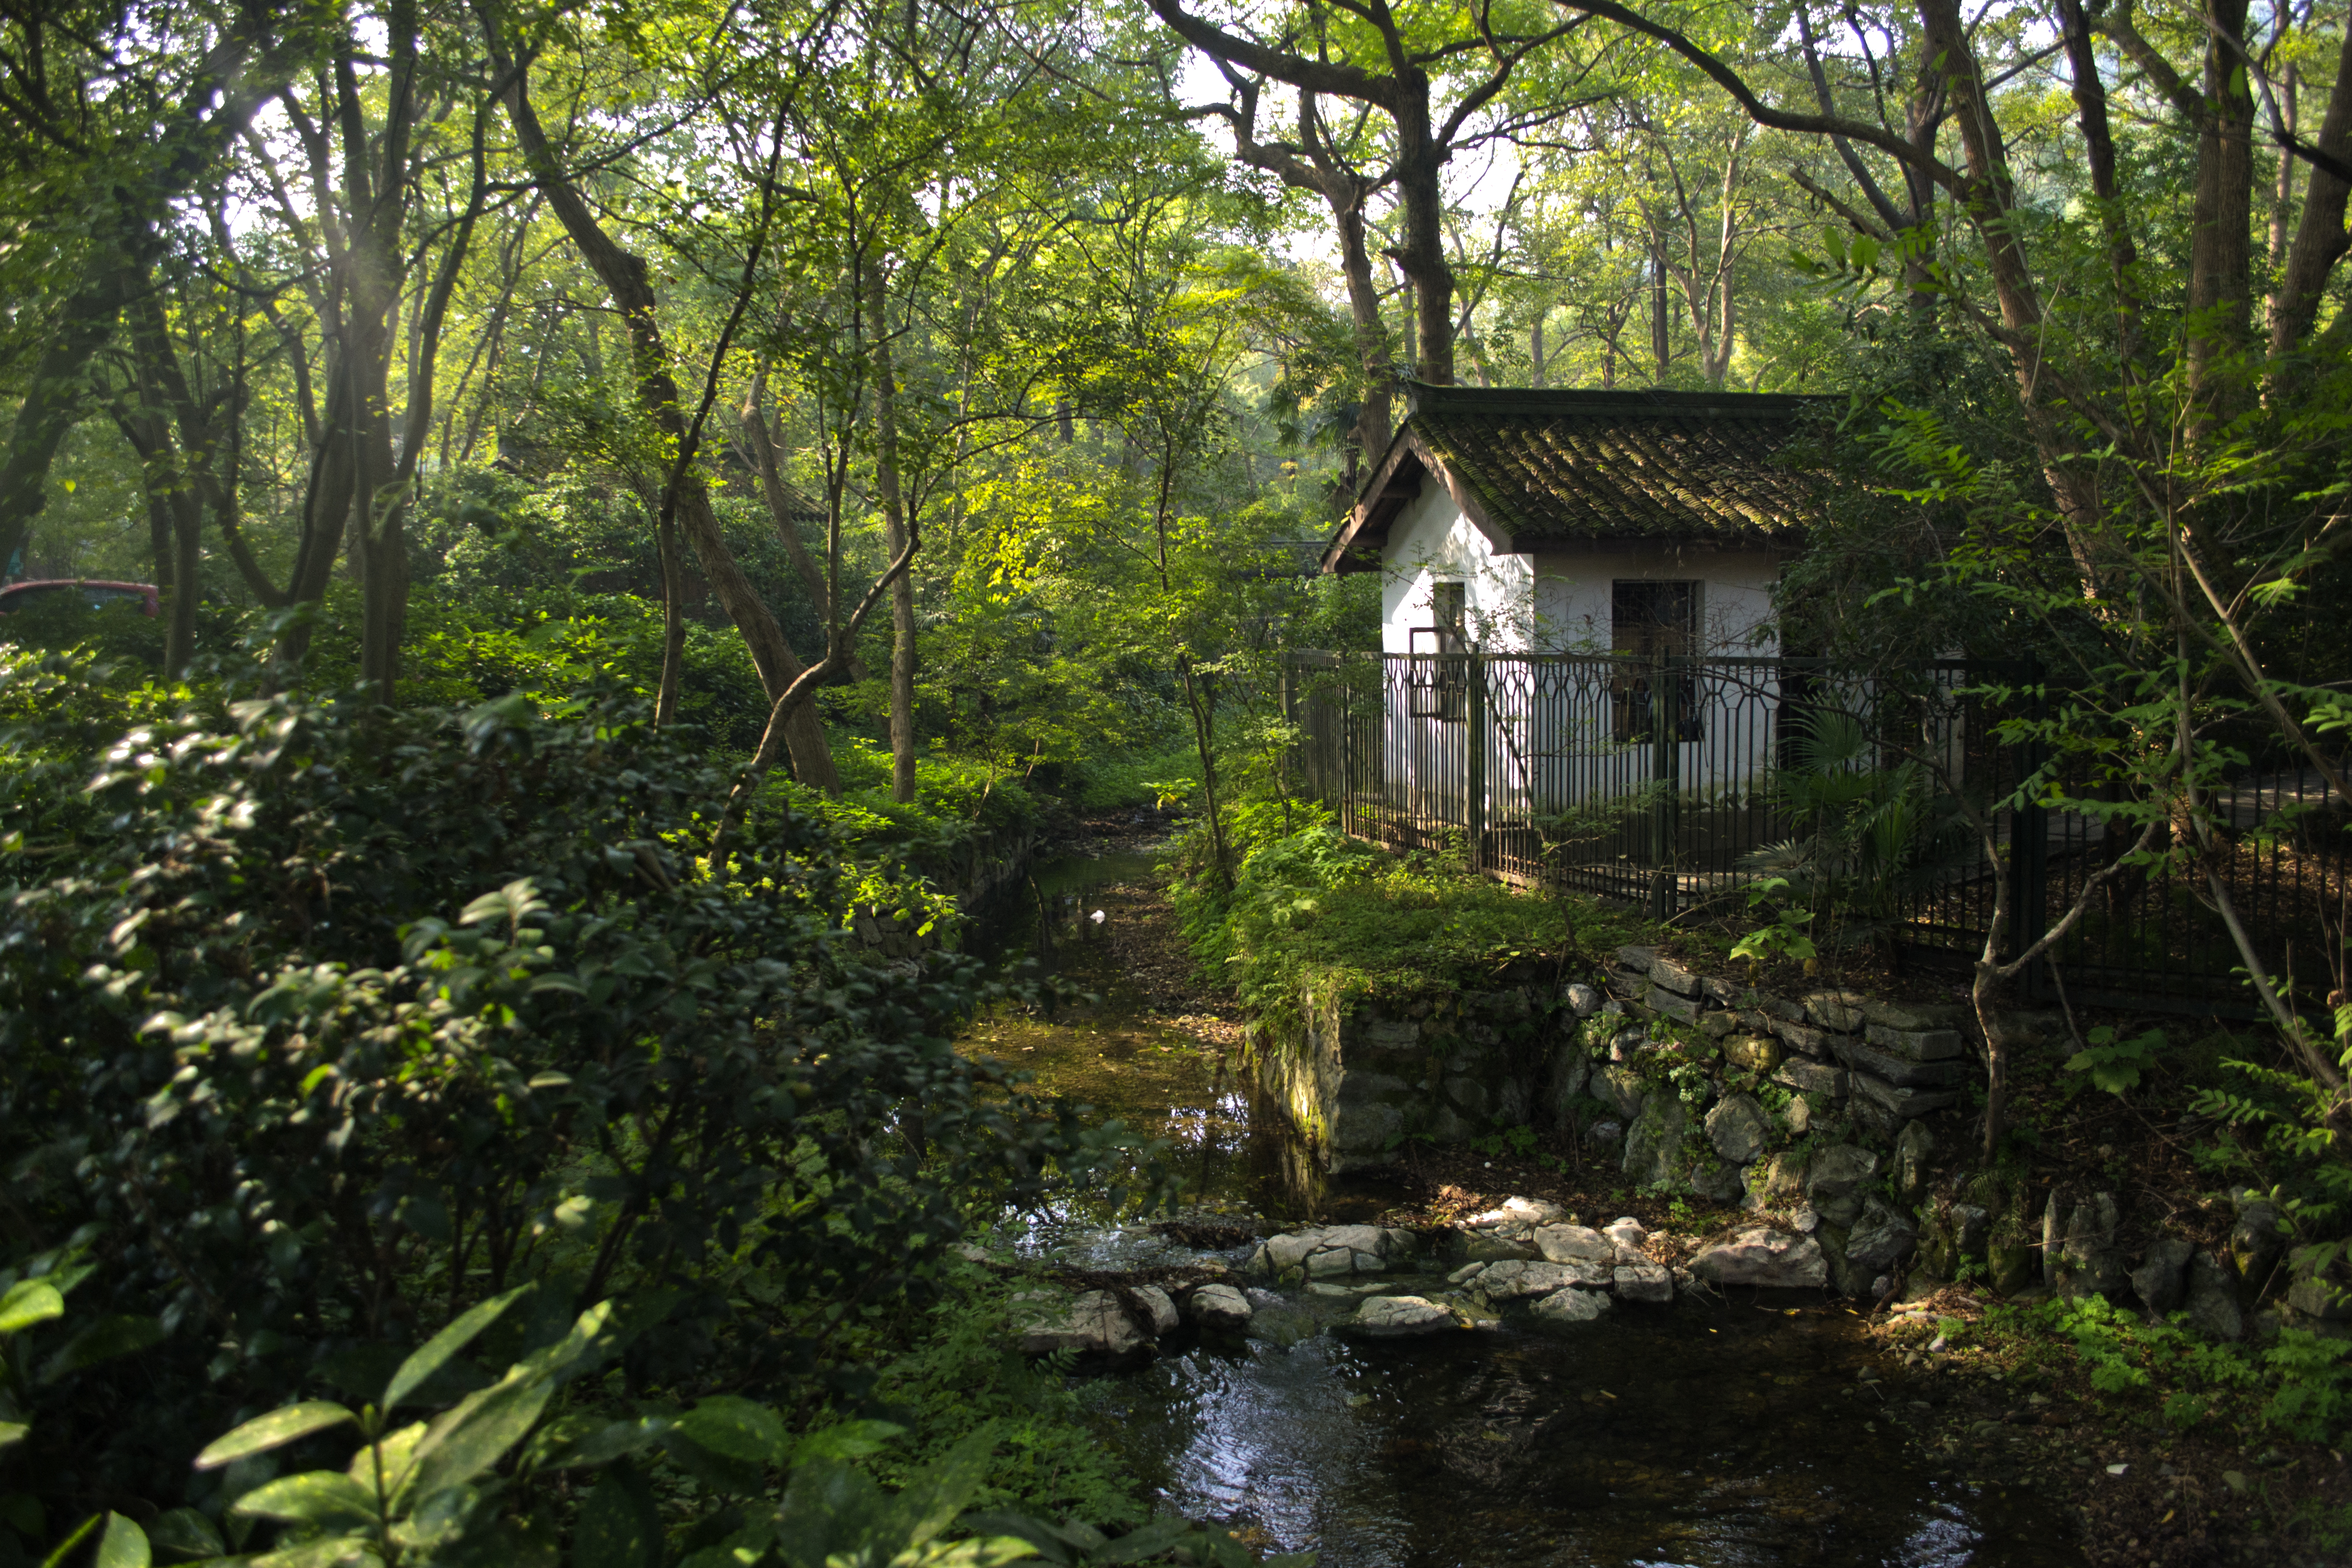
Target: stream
{"points": [[1722, 1436]]}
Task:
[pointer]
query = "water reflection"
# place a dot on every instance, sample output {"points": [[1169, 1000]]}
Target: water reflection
{"points": [[1688, 1439], [1694, 1438]]}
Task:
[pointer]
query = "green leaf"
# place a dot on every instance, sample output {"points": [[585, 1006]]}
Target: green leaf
{"points": [[738, 1428], [334, 1551], [104, 1340], [437, 1352], [66, 1548], [619, 1525], [509, 903], [934, 1495], [29, 1302], [124, 1545], [322, 1498], [13, 1432], [847, 1440], [473, 1434], [186, 1532], [275, 1430], [593, 1442]]}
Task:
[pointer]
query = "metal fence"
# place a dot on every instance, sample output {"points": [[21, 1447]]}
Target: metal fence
{"points": [[1664, 781]]}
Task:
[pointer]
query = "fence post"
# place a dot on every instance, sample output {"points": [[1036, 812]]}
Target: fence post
{"points": [[2029, 838], [1665, 777], [1347, 736], [1474, 803]]}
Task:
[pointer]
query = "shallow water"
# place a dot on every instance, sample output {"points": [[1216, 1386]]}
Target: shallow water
{"points": [[1722, 1437]]}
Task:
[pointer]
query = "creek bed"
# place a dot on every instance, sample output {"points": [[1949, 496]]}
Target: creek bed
{"points": [[1725, 1435]]}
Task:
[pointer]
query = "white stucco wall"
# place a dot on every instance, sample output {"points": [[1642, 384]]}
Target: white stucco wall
{"points": [[1552, 744], [1560, 602]]}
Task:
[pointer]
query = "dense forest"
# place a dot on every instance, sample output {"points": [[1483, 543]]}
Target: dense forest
{"points": [[530, 529]]}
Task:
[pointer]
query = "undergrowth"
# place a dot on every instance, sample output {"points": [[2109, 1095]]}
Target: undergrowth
{"points": [[1314, 910], [2299, 1386]]}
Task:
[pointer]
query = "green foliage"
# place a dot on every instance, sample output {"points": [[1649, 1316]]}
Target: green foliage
{"points": [[1785, 936], [2115, 1064], [325, 1021], [2299, 1385], [1869, 835], [1312, 908]]}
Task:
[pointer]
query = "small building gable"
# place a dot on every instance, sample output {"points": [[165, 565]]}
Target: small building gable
{"points": [[1535, 471]]}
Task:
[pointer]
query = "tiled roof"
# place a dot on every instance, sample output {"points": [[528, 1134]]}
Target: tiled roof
{"points": [[1545, 466], [1597, 463]]}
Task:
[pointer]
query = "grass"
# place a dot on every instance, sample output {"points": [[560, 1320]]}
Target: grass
{"points": [[1314, 910]]}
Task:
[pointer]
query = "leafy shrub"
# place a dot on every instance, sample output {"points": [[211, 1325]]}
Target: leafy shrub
{"points": [[1310, 906], [324, 1022]]}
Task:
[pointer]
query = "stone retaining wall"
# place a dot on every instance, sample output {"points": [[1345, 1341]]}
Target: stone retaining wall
{"points": [[981, 866], [1690, 1080]]}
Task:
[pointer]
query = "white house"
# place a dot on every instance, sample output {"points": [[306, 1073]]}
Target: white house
{"points": [[1576, 538]]}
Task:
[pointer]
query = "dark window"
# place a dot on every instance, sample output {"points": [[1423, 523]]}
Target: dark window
{"points": [[1648, 619], [1440, 673]]}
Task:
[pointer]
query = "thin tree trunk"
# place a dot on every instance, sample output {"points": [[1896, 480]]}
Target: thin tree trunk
{"points": [[894, 522], [626, 279]]}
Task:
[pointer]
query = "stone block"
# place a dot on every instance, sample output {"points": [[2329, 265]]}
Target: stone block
{"points": [[1880, 1239], [1912, 1147], [1621, 1089], [2254, 1240], [1630, 987], [1838, 1010], [1668, 976], [1776, 1181], [1220, 1309], [1895, 1069], [1567, 1309], [1813, 1077], [1914, 1016], [1639, 958], [1876, 1123], [2162, 1274], [1582, 999], [1389, 1035], [1738, 1129], [1467, 1094], [1401, 1317], [1971, 1227], [1915, 1045], [2212, 1300], [1801, 1037], [1763, 1256], [1652, 1284], [1717, 1026], [1654, 1142], [1574, 1243], [1834, 1181], [1902, 1100], [1749, 1053], [1779, 1007], [1364, 1129], [1721, 992], [2089, 1262], [1667, 1005]]}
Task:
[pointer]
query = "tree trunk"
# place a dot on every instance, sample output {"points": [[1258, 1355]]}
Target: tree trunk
{"points": [[2319, 238], [2220, 287], [624, 278], [894, 522], [673, 582], [1421, 199]]}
